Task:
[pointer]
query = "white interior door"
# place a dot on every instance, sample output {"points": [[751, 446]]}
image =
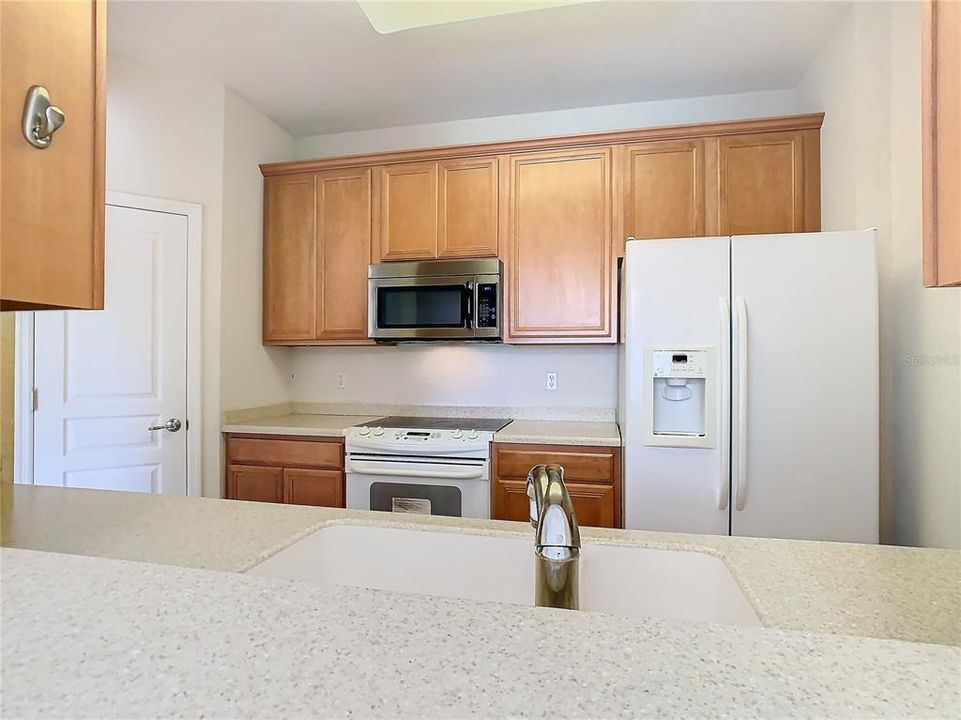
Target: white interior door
{"points": [[104, 378], [805, 421]]}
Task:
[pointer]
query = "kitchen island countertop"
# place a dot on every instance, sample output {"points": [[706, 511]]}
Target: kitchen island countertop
{"points": [[157, 639]]}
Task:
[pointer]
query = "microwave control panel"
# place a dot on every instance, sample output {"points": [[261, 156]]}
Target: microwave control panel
{"points": [[487, 305]]}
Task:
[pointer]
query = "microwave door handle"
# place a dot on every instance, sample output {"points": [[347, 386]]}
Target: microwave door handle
{"points": [[468, 308]]}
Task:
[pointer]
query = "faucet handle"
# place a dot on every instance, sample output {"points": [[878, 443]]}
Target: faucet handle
{"points": [[557, 524], [537, 480]]}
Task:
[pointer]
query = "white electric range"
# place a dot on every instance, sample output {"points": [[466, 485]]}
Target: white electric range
{"points": [[433, 466]]}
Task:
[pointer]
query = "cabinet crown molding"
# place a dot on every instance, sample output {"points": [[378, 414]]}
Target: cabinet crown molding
{"points": [[810, 121]]}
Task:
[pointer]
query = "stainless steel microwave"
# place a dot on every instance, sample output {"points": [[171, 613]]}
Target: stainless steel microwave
{"points": [[435, 300]]}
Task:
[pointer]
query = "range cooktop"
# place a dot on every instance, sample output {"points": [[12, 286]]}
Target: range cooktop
{"points": [[436, 423]]}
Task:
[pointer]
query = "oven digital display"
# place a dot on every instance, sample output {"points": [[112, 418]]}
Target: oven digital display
{"points": [[417, 435]]}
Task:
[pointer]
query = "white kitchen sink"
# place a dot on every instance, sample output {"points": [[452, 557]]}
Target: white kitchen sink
{"points": [[641, 582]]}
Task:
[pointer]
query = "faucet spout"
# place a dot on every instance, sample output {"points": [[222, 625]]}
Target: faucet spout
{"points": [[557, 539]]}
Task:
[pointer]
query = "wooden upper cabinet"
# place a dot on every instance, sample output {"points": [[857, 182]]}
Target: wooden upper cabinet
{"points": [[941, 143], [290, 258], [343, 253], [664, 189], [560, 269], [406, 214], [52, 199], [317, 237], [556, 210], [467, 208], [762, 184]]}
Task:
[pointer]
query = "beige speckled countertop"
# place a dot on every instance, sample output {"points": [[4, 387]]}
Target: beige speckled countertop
{"points": [[560, 433], [100, 637], [298, 424], [869, 590], [518, 431]]}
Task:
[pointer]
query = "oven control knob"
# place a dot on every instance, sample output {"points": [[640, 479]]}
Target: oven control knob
{"points": [[378, 431], [472, 434], [364, 431], [457, 434]]}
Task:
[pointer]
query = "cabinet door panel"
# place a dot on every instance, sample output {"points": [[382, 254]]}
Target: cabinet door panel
{"points": [[761, 183], [314, 487], [407, 214], [343, 242], [260, 484], [941, 142], [594, 505], [665, 190], [467, 208], [560, 266], [52, 199], [290, 262]]}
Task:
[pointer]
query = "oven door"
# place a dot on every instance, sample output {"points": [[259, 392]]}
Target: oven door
{"points": [[421, 308], [429, 486]]}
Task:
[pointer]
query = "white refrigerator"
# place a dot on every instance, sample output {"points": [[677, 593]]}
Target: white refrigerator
{"points": [[749, 385]]}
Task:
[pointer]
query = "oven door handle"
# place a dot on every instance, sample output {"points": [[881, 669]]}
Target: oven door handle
{"points": [[466, 473]]}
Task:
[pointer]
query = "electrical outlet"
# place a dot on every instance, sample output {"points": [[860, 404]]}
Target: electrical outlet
{"points": [[341, 381], [551, 383]]}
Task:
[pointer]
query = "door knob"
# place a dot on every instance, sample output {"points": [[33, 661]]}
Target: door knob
{"points": [[41, 118], [172, 425]]}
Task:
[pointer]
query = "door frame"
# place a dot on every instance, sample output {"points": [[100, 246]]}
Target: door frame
{"points": [[23, 424]]}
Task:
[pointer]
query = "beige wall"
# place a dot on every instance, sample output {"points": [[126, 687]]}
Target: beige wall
{"points": [[251, 375], [867, 80], [554, 122]]}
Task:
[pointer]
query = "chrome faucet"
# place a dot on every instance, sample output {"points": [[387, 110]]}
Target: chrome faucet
{"points": [[557, 540]]}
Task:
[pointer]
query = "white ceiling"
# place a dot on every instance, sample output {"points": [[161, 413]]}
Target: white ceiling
{"points": [[319, 67]]}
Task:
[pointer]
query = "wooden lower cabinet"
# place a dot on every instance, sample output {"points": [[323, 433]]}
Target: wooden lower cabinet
{"points": [[592, 475], [260, 484], [285, 469], [314, 487]]}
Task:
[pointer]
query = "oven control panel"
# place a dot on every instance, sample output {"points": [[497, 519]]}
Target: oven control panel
{"points": [[422, 438]]}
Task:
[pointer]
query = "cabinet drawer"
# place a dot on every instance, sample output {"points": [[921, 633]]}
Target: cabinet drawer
{"points": [[285, 452], [581, 464], [595, 505]]}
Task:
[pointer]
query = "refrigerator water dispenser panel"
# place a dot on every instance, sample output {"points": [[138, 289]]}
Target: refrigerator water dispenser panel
{"points": [[680, 400]]}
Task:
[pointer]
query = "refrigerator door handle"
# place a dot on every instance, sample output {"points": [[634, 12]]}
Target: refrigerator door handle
{"points": [[740, 487], [724, 423]]}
